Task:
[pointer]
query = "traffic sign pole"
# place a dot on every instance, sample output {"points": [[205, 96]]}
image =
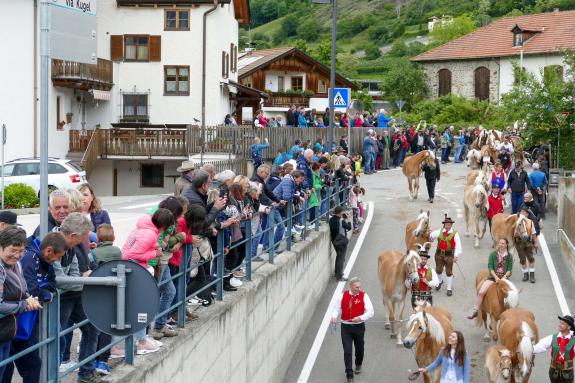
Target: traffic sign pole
{"points": [[3, 150], [332, 76]]}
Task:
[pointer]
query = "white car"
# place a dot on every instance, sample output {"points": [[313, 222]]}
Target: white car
{"points": [[62, 173]]}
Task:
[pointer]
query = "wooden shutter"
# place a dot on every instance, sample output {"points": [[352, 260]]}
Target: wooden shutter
{"points": [[482, 83], [444, 82], [155, 48], [224, 64], [117, 48]]}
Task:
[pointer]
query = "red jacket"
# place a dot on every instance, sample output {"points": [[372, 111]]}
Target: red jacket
{"points": [[177, 255], [495, 205]]}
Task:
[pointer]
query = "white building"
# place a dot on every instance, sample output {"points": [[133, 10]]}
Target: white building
{"points": [[142, 95], [480, 64], [434, 21]]}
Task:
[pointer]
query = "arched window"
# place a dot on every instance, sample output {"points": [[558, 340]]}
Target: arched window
{"points": [[444, 81], [482, 75]]}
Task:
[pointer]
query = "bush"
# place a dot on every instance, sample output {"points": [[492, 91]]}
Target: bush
{"points": [[19, 196]]}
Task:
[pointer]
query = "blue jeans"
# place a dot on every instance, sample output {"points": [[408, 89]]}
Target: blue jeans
{"points": [[402, 152], [516, 201], [167, 294], [444, 154], [265, 239], [276, 220], [458, 152], [367, 161], [256, 238], [71, 308], [29, 365], [4, 354]]}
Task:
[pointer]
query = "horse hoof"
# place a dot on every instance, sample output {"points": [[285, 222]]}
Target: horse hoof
{"points": [[399, 342], [393, 336], [387, 326], [467, 234], [476, 246]]}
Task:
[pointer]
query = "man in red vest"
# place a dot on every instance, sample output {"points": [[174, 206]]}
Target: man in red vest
{"points": [[421, 291], [562, 351], [448, 251], [354, 307]]}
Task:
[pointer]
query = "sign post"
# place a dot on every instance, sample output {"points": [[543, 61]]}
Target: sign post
{"points": [[400, 104], [3, 150], [339, 98]]}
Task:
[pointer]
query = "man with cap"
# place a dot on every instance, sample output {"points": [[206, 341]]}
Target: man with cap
{"points": [[421, 291], [525, 247], [353, 307], [448, 251], [562, 350], [7, 218], [517, 184], [185, 180]]}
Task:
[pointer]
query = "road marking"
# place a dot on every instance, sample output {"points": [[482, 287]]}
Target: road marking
{"points": [[554, 277], [149, 204], [320, 336]]}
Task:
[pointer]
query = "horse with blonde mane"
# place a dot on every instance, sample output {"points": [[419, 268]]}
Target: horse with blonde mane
{"points": [[412, 169], [519, 333], [499, 297], [428, 330], [511, 227], [417, 231], [498, 364], [475, 209], [394, 267]]}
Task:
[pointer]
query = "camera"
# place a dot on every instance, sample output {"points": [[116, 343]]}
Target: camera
{"points": [[344, 216]]}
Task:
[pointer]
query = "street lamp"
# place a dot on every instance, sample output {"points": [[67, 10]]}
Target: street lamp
{"points": [[332, 71]]}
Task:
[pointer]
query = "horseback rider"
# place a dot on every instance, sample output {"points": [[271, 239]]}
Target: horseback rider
{"points": [[421, 291], [525, 247], [500, 266], [562, 350], [448, 251]]}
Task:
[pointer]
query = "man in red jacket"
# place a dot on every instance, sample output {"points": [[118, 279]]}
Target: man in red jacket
{"points": [[354, 307]]}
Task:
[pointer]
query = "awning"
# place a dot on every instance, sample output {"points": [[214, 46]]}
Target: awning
{"points": [[100, 94]]}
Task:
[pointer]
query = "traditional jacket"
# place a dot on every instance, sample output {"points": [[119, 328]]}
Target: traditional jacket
{"points": [[447, 240], [562, 349]]}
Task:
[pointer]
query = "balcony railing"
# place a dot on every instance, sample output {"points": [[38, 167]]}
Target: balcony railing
{"points": [[83, 76], [286, 101], [143, 142]]}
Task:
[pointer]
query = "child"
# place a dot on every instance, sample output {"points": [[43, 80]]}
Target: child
{"points": [[105, 251], [360, 203], [353, 197]]}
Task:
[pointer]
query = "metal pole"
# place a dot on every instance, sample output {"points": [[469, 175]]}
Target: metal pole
{"points": [[44, 73], [521, 68], [558, 143], [3, 150], [332, 77]]}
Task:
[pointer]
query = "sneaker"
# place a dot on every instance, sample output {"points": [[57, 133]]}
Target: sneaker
{"points": [[145, 347], [117, 352], [65, 366], [299, 227], [294, 231], [154, 341], [102, 368], [166, 331], [195, 301], [239, 273], [235, 282], [91, 377], [473, 314]]}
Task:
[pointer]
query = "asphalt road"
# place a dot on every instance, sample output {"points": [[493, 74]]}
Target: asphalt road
{"points": [[384, 360]]}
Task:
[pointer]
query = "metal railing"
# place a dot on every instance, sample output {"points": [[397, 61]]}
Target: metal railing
{"points": [[50, 332]]}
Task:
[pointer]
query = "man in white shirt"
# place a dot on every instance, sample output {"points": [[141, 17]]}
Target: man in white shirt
{"points": [[354, 308], [562, 351], [421, 291], [448, 252]]}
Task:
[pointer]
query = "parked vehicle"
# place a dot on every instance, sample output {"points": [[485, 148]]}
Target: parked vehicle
{"points": [[62, 173]]}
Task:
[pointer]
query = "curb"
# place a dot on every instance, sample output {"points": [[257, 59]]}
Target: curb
{"points": [[32, 210]]}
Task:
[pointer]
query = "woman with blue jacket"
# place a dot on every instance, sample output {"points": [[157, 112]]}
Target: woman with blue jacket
{"points": [[453, 360]]}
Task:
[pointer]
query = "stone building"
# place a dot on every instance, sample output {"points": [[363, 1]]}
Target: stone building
{"points": [[480, 64]]}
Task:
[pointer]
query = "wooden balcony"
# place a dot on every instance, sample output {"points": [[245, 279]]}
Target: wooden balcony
{"points": [[138, 142], [284, 101], [82, 76]]}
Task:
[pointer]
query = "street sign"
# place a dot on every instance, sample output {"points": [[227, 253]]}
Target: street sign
{"points": [[560, 118], [73, 30], [341, 98]]}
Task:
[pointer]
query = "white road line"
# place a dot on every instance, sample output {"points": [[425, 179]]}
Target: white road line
{"points": [[320, 336], [554, 277], [149, 204]]}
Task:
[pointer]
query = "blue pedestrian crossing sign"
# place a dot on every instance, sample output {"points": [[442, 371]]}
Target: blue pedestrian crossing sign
{"points": [[341, 98]]}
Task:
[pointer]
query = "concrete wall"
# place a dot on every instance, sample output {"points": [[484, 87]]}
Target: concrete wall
{"points": [[251, 335], [532, 64]]}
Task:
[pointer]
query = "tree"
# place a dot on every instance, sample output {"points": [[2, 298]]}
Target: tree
{"points": [[301, 45], [322, 52], [309, 30], [404, 81], [289, 25], [372, 51], [364, 98], [459, 26]]}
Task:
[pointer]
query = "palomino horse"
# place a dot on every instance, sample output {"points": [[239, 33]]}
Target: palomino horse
{"points": [[417, 231], [498, 364], [429, 327], [509, 227], [394, 267], [412, 169], [474, 203], [474, 159], [499, 297], [519, 333], [474, 175], [488, 156]]}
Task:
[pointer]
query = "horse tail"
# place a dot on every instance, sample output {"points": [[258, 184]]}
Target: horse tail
{"points": [[481, 317]]}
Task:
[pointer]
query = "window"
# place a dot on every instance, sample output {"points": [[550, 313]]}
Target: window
{"points": [[444, 81], [297, 83], [8, 170], [247, 81], [27, 169], [517, 39], [233, 58], [482, 75], [177, 20], [281, 83], [56, 169], [177, 80], [321, 86], [59, 125], [135, 107], [152, 176], [136, 48]]}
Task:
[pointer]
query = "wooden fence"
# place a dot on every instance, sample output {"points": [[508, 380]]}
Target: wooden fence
{"points": [[568, 221]]}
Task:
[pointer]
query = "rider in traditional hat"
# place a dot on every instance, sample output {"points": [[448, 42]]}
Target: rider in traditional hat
{"points": [[448, 251], [421, 291], [562, 347]]}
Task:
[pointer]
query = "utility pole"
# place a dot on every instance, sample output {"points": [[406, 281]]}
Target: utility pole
{"points": [[44, 72], [332, 76]]}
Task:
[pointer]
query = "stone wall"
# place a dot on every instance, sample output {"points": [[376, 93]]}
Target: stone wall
{"points": [[462, 77], [252, 334]]}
